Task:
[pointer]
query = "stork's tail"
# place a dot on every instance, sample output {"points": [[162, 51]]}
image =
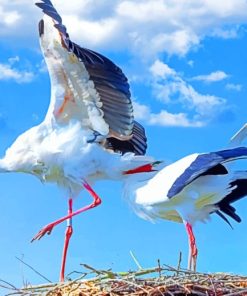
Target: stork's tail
{"points": [[239, 191], [240, 183]]}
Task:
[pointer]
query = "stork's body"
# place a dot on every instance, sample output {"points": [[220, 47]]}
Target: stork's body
{"points": [[189, 190], [89, 132], [63, 155]]}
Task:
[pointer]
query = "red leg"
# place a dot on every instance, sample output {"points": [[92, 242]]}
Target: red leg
{"points": [[68, 234], [193, 252], [48, 228]]}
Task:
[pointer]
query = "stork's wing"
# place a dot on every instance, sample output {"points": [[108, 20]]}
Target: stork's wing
{"points": [[137, 145], [102, 95], [239, 137], [209, 163]]}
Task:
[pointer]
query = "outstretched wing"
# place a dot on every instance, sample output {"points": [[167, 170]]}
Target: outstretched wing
{"points": [[95, 90], [209, 163]]}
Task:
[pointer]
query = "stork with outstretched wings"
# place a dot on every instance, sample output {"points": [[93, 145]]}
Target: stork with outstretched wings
{"points": [[89, 132]]}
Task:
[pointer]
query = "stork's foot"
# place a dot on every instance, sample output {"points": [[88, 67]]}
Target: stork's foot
{"points": [[48, 228], [45, 230]]}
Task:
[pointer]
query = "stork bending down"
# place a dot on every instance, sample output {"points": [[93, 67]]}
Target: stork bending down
{"points": [[189, 190]]}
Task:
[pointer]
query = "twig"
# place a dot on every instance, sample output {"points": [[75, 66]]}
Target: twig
{"points": [[38, 273], [10, 286], [159, 268], [179, 261], [75, 272], [109, 273], [135, 260]]}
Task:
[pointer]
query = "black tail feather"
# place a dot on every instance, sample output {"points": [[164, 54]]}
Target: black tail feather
{"points": [[224, 218], [239, 192], [231, 212]]}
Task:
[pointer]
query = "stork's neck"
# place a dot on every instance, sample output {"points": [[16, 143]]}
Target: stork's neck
{"points": [[22, 154]]}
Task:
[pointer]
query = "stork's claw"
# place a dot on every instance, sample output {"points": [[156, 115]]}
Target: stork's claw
{"points": [[46, 230]]}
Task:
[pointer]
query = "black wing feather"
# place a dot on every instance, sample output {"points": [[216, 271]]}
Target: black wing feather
{"points": [[137, 144], [202, 164]]}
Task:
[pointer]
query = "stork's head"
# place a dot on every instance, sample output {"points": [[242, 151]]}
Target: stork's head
{"points": [[21, 156]]}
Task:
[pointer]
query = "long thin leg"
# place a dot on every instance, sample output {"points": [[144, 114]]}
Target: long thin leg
{"points": [[48, 228], [193, 252], [68, 234]]}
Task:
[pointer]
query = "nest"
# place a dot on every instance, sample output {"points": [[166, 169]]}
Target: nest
{"points": [[162, 280]]}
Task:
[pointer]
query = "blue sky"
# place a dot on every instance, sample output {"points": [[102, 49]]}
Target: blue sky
{"points": [[186, 63]]}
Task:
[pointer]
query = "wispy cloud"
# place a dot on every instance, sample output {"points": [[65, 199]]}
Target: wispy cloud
{"points": [[42, 67], [13, 60], [171, 89], [212, 77], [235, 87], [191, 63], [226, 33], [10, 72], [160, 69], [8, 17], [163, 118]]}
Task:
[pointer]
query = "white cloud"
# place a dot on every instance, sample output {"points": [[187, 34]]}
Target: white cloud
{"points": [[95, 32], [9, 18], [146, 27], [8, 72], [235, 87], [18, 20], [159, 69], [13, 60], [191, 63], [163, 118], [42, 67], [176, 88], [171, 89], [212, 77], [226, 33]]}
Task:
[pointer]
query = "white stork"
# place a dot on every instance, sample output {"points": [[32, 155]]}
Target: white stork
{"points": [[191, 189], [89, 132]]}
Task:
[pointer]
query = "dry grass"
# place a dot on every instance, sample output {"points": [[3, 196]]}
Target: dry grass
{"points": [[158, 281]]}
